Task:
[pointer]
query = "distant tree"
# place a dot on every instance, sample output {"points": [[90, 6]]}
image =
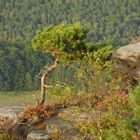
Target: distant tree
{"points": [[28, 82], [19, 76]]}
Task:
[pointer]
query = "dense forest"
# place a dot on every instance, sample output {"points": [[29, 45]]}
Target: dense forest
{"points": [[18, 67], [113, 22]]}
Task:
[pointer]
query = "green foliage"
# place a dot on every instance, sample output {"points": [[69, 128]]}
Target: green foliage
{"points": [[5, 137], [29, 81], [134, 100], [103, 55], [19, 67], [101, 58], [94, 74], [63, 41]]}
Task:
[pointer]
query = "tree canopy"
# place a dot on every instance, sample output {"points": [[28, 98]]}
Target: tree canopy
{"points": [[63, 41]]}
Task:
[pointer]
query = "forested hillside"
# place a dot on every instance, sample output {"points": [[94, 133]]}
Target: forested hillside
{"points": [[115, 20], [19, 67], [110, 21]]}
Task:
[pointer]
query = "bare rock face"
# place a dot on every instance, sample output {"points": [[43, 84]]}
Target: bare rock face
{"points": [[9, 122], [38, 135], [10, 112], [128, 60]]}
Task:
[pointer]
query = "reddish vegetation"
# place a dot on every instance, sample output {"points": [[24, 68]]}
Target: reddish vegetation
{"points": [[39, 113], [5, 125], [115, 100]]}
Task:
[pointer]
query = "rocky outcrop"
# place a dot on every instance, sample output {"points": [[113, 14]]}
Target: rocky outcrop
{"points": [[9, 122], [128, 60], [10, 112], [60, 126], [38, 135]]}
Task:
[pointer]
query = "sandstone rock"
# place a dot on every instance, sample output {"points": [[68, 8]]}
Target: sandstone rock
{"points": [[10, 115], [71, 114], [66, 120], [64, 128], [10, 112], [128, 60], [38, 135], [59, 124]]}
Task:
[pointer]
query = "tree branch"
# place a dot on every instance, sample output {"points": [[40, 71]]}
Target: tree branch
{"points": [[43, 80]]}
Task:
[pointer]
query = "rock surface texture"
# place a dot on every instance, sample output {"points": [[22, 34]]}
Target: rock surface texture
{"points": [[38, 135], [10, 112], [128, 60]]}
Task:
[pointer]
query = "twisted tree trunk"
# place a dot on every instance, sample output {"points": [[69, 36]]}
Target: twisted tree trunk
{"points": [[43, 81]]}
